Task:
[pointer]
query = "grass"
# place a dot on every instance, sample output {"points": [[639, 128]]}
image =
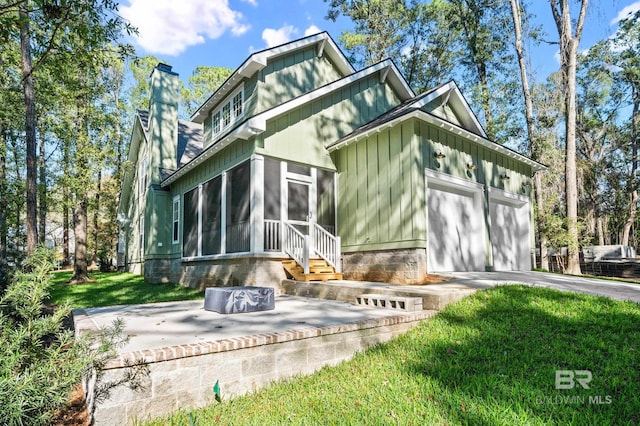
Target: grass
{"points": [[490, 359], [116, 288]]}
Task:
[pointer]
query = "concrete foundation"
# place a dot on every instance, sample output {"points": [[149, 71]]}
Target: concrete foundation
{"points": [[404, 266], [237, 271]]}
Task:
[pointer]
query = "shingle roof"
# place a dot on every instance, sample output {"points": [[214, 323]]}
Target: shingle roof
{"points": [[190, 141]]}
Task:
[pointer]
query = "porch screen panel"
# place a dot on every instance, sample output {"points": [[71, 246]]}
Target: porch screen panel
{"points": [[326, 200], [211, 216], [272, 199], [271, 189], [190, 224], [238, 205]]}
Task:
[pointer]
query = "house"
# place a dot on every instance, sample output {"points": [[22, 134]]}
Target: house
{"points": [[299, 156]]}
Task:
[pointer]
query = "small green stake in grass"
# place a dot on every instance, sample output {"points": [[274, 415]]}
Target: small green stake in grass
{"points": [[216, 391]]}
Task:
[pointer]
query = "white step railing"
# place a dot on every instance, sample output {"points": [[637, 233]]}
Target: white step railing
{"points": [[296, 245], [327, 246]]}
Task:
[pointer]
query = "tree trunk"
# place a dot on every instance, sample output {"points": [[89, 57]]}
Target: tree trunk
{"points": [[568, 60], [533, 148], [80, 231], [30, 128], [66, 202], [42, 192], [633, 196], [3, 197], [95, 219]]}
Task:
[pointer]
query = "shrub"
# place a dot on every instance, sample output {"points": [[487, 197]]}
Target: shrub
{"points": [[42, 360]]}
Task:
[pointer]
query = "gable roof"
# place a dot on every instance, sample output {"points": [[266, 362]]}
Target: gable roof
{"points": [[412, 108], [258, 60], [258, 123]]}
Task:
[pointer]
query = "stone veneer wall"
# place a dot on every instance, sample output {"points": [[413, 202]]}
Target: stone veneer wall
{"points": [[403, 266], [182, 377], [249, 271]]}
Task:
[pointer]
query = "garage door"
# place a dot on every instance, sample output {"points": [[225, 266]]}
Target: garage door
{"points": [[455, 231], [510, 234]]}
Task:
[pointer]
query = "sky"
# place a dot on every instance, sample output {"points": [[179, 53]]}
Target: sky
{"points": [[188, 33]]}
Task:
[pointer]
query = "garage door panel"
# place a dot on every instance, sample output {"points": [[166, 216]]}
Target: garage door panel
{"points": [[510, 237], [456, 240]]}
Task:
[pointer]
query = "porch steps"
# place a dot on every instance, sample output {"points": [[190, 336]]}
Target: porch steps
{"points": [[390, 301], [319, 270]]}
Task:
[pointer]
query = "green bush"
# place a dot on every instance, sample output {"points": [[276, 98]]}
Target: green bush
{"points": [[41, 359]]}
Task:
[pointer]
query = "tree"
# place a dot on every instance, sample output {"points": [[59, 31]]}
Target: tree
{"points": [[203, 82], [569, 42]]}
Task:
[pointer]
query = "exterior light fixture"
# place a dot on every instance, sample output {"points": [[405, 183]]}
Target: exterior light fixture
{"points": [[471, 166], [439, 155]]}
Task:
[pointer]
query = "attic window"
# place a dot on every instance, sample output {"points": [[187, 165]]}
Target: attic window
{"points": [[228, 112]]}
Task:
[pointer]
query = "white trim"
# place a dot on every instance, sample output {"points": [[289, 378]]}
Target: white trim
{"points": [[223, 213], [199, 250], [506, 197], [442, 179], [256, 202]]}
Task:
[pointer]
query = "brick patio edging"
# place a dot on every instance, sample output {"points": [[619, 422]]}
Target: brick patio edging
{"points": [[182, 376]]}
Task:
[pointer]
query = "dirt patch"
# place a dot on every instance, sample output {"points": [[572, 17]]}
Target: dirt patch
{"points": [[75, 412]]}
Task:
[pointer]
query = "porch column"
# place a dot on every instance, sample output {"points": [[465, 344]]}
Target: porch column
{"points": [[256, 218]]}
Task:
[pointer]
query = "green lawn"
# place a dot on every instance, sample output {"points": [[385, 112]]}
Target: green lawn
{"points": [[490, 359], [119, 288]]}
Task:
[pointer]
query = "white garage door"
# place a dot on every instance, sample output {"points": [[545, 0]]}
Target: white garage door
{"points": [[455, 227], [510, 234]]}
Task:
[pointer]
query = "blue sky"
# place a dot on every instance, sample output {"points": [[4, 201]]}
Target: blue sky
{"points": [[188, 33]]}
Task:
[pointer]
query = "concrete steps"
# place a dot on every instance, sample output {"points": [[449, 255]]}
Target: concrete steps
{"points": [[434, 297]]}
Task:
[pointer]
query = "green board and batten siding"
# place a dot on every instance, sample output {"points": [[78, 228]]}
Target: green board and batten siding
{"points": [[288, 76], [302, 134], [381, 189]]}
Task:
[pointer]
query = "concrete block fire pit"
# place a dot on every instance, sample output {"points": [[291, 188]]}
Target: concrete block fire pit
{"points": [[233, 300]]}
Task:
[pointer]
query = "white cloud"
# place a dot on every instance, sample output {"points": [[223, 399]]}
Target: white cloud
{"points": [[280, 36], [312, 30], [251, 2], [624, 13], [169, 27]]}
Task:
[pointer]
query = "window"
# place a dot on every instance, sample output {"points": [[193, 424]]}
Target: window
{"points": [[226, 115], [176, 220], [229, 112], [238, 204], [237, 105], [141, 235], [216, 123]]}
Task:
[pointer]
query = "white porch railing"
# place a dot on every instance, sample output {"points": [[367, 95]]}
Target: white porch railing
{"points": [[296, 245], [272, 235], [327, 246]]}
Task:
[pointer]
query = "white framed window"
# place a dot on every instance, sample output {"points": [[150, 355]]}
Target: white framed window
{"points": [[141, 231], [215, 123], [229, 111], [175, 228]]}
